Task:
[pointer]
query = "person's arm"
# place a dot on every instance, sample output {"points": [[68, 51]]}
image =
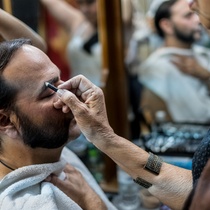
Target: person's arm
{"points": [[127, 11], [65, 14], [13, 28], [78, 189], [171, 186]]}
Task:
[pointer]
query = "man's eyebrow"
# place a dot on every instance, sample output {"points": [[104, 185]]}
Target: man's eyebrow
{"points": [[51, 81]]}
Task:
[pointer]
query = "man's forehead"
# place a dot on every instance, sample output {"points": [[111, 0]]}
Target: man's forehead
{"points": [[28, 64], [180, 7], [20, 62]]}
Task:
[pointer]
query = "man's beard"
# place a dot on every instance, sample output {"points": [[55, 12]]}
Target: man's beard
{"points": [[189, 38], [51, 134]]}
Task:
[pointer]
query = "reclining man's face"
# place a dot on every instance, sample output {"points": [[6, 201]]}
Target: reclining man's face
{"points": [[39, 124], [186, 25]]}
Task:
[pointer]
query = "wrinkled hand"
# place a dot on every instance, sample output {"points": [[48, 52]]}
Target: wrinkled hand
{"points": [[201, 198], [86, 101], [75, 187], [190, 66]]}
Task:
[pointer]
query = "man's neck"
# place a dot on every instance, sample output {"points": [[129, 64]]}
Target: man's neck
{"points": [[174, 42], [19, 155]]}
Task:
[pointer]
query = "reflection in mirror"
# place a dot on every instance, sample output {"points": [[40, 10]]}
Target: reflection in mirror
{"points": [[137, 33], [78, 19], [174, 65]]}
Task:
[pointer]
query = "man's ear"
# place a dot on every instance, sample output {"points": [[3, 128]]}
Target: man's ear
{"points": [[166, 26], [7, 127]]}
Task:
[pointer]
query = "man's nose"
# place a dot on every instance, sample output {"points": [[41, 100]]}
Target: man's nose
{"points": [[196, 18]]}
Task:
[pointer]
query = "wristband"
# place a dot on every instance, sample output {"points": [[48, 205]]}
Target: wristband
{"points": [[142, 182], [154, 164]]}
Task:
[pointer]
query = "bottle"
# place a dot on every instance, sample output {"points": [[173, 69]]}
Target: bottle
{"points": [[160, 119], [128, 196], [95, 163]]}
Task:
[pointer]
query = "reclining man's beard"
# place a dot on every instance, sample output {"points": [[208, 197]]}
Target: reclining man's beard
{"points": [[50, 135], [187, 38]]}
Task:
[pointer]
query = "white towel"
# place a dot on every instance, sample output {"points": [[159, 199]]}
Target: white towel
{"points": [[26, 189]]}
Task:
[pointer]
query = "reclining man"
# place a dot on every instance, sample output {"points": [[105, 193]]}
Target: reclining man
{"points": [[179, 72], [33, 135]]}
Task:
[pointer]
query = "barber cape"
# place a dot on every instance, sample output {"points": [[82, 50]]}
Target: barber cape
{"points": [[26, 189], [185, 96]]}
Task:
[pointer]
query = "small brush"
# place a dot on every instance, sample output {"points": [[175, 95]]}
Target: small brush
{"points": [[52, 87]]}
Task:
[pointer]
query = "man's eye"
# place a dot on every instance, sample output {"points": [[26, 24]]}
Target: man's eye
{"points": [[48, 95]]}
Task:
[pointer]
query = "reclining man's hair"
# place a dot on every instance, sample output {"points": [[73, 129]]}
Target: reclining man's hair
{"points": [[7, 51], [164, 11]]}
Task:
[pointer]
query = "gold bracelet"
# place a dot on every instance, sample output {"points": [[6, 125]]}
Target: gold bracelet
{"points": [[154, 164]]}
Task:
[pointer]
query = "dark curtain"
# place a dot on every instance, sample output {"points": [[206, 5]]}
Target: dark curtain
{"points": [[28, 11], [1, 4]]}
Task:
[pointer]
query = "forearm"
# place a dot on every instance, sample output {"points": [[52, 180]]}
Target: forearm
{"points": [[12, 28], [94, 202], [204, 75], [127, 11], [171, 186], [65, 14], [200, 72]]}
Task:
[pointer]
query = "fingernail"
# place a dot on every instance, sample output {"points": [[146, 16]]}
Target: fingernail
{"points": [[60, 92]]}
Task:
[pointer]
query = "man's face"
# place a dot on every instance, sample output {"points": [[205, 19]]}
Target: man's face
{"points": [[202, 8], [39, 124], [89, 9], [185, 23]]}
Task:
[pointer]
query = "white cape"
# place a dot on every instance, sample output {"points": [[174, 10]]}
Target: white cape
{"points": [[186, 97]]}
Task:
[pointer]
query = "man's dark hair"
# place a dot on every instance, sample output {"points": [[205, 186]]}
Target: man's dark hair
{"points": [[164, 11], [7, 50]]}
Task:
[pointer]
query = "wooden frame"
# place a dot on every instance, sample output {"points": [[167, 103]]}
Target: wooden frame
{"points": [[116, 93], [7, 5]]}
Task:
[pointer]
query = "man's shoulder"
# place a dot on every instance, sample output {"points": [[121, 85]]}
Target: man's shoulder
{"points": [[160, 56], [164, 53], [201, 50]]}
